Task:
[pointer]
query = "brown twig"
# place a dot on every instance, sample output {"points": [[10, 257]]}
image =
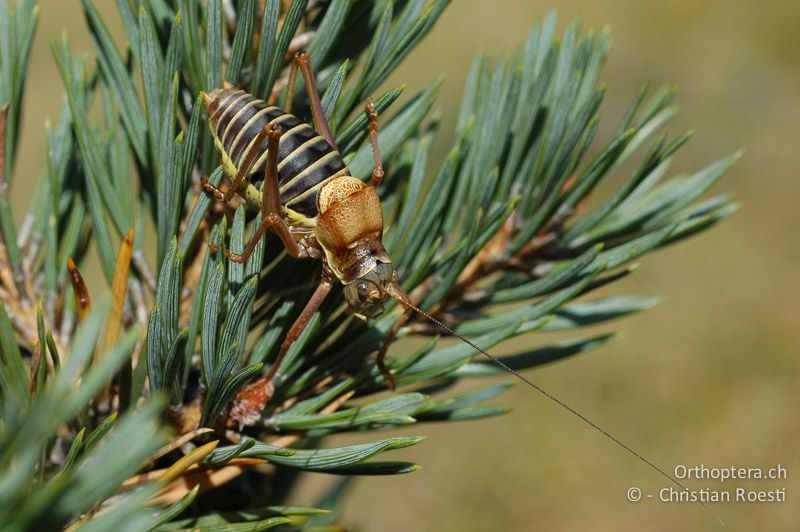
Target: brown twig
{"points": [[17, 274], [481, 265], [207, 478], [23, 321], [6, 278], [490, 260]]}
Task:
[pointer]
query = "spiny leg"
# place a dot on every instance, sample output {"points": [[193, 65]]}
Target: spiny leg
{"points": [[251, 399], [379, 361], [377, 171], [302, 62], [244, 168], [270, 204], [377, 176]]}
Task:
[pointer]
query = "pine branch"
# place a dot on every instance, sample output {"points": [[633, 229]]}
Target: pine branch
{"points": [[507, 217]]}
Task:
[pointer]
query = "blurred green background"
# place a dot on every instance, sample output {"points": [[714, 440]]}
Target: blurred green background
{"points": [[709, 376]]}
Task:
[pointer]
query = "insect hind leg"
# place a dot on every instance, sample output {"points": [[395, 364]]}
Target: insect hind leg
{"points": [[302, 62], [271, 217]]}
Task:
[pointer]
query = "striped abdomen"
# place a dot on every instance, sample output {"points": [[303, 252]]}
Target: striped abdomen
{"points": [[306, 161]]}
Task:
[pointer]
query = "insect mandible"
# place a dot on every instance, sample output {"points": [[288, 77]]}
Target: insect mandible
{"points": [[308, 198]]}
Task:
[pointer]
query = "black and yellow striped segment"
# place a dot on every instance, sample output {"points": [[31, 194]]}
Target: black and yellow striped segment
{"points": [[306, 161]]}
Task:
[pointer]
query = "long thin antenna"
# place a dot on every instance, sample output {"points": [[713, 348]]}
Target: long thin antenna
{"points": [[397, 293]]}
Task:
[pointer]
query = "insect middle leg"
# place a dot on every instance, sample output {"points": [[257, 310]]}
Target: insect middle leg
{"points": [[271, 211], [379, 361]]}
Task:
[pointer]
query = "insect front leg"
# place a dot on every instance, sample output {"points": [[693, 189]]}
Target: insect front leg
{"points": [[379, 361], [377, 176]]}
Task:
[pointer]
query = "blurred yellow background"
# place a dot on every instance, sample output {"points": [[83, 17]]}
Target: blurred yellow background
{"points": [[710, 376]]}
